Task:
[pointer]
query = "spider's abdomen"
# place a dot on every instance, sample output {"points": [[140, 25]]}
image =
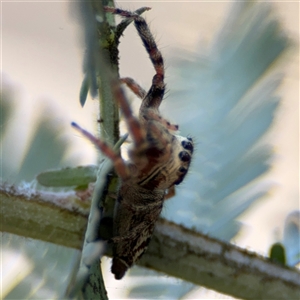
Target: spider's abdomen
{"points": [[136, 213]]}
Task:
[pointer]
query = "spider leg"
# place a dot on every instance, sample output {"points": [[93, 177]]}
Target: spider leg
{"points": [[157, 90], [134, 127], [119, 164], [134, 87], [159, 134], [141, 93], [153, 115]]}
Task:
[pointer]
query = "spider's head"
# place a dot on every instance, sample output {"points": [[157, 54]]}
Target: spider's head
{"points": [[182, 156]]}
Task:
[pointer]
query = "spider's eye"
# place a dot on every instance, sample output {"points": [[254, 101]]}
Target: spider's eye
{"points": [[184, 156], [182, 170], [187, 145]]}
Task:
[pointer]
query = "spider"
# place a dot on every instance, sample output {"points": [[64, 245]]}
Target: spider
{"points": [[158, 160]]}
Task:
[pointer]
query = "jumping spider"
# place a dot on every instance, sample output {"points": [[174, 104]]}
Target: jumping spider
{"points": [[158, 160]]}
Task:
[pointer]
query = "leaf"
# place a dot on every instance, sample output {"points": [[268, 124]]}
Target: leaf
{"points": [[291, 238], [49, 265], [231, 102], [91, 55], [78, 176], [6, 108], [277, 253], [84, 89], [226, 102], [46, 149]]}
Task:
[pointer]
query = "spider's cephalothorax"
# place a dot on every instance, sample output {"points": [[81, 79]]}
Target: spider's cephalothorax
{"points": [[158, 160]]}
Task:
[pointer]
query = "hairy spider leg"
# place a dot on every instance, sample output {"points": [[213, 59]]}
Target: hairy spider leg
{"points": [[134, 127], [119, 164], [152, 115], [124, 13], [157, 90], [141, 93], [134, 87]]}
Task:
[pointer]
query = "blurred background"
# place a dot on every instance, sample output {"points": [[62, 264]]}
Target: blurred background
{"points": [[41, 74]]}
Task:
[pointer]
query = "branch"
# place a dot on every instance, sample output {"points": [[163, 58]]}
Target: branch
{"points": [[59, 218], [218, 265], [174, 250]]}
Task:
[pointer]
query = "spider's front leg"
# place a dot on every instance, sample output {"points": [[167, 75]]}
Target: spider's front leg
{"points": [[141, 93], [134, 127], [134, 87], [119, 164], [152, 99]]}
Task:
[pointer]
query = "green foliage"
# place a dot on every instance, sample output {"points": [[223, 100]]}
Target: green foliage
{"points": [[277, 253], [68, 177], [44, 150], [47, 149], [291, 238], [6, 112], [231, 100], [6, 109], [84, 90]]}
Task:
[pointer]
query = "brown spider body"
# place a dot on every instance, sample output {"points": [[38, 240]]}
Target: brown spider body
{"points": [[158, 160]]}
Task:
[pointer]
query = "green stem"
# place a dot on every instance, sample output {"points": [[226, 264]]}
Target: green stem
{"points": [[104, 66]]}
